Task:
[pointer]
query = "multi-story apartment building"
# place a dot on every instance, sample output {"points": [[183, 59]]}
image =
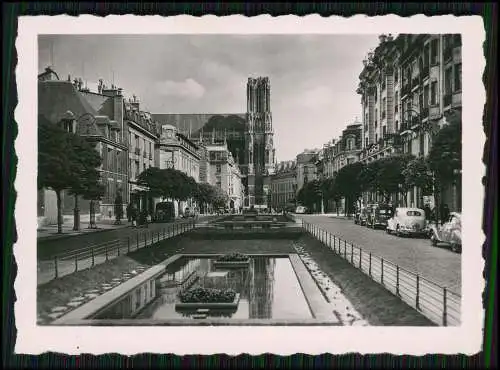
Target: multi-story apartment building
{"points": [[142, 137], [306, 167], [108, 102], [347, 148], [99, 118], [409, 87], [178, 152], [284, 185], [223, 171]]}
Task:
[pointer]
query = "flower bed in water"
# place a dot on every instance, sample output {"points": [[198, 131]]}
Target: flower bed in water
{"points": [[200, 297], [233, 257]]}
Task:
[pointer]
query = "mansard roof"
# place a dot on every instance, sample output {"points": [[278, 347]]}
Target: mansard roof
{"points": [[56, 98]]}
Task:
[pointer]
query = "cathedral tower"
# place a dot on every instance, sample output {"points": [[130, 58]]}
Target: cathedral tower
{"points": [[259, 143]]}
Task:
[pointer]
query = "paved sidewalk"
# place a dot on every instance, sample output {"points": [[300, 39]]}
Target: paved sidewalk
{"points": [[49, 232]]}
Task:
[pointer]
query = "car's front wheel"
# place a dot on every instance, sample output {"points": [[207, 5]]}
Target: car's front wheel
{"points": [[434, 240], [455, 248]]}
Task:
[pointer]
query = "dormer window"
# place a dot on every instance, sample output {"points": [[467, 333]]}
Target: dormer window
{"points": [[68, 125]]}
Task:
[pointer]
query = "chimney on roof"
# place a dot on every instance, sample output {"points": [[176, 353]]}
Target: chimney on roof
{"points": [[111, 92], [100, 86], [134, 102]]}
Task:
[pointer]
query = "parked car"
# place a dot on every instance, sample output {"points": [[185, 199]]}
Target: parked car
{"points": [[301, 210], [378, 216], [188, 213], [363, 217], [407, 221], [450, 233], [165, 212]]}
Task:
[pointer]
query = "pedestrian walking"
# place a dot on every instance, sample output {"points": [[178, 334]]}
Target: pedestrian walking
{"points": [[128, 210], [445, 213], [427, 211], [133, 215]]}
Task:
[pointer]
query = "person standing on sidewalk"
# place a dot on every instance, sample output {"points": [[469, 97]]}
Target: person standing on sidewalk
{"points": [[133, 215], [128, 210]]}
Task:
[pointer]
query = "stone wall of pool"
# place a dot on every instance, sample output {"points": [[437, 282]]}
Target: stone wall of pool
{"points": [[136, 304]]}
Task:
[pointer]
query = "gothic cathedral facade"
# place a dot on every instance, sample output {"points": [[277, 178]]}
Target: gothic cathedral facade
{"points": [[259, 145]]}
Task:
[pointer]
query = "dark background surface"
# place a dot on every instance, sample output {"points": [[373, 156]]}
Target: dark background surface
{"points": [[10, 13]]}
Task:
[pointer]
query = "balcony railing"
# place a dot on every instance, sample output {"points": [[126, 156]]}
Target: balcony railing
{"points": [[137, 151], [447, 99], [415, 81], [405, 89], [383, 114], [415, 121], [144, 154]]}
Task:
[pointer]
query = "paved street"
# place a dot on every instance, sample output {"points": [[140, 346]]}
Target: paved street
{"points": [[415, 254], [46, 249]]}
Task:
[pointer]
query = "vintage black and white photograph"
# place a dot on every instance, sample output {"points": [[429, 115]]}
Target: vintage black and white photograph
{"points": [[268, 181]]}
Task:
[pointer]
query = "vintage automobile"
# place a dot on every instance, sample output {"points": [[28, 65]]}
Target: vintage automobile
{"points": [[301, 210], [450, 233], [378, 216], [407, 221]]}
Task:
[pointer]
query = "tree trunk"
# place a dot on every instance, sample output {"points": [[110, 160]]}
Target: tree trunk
{"points": [[76, 215], [59, 212]]}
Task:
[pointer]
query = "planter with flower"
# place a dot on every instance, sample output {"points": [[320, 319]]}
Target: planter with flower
{"points": [[234, 260], [200, 297]]}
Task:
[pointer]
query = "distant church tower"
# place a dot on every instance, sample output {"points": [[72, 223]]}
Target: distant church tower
{"points": [[259, 144]]}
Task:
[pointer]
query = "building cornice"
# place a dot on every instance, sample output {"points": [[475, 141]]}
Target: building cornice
{"points": [[141, 129]]}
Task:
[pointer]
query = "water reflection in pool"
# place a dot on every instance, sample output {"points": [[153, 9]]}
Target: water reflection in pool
{"points": [[268, 289]]}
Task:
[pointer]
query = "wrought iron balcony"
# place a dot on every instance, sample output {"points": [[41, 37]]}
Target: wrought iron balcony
{"points": [[415, 121], [144, 154], [383, 114], [425, 112], [137, 151], [415, 81]]}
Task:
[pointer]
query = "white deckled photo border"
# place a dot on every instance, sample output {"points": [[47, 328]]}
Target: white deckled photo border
{"points": [[282, 340]]}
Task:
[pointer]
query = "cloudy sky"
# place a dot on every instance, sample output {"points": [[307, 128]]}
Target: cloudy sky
{"points": [[313, 77]]}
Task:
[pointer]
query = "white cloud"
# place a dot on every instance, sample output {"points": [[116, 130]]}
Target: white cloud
{"points": [[188, 89]]}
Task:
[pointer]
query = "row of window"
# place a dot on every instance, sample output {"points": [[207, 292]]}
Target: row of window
{"points": [[430, 56], [429, 94], [281, 187], [141, 145]]}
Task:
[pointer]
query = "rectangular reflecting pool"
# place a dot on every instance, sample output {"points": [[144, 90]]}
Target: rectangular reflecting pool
{"points": [[267, 288]]}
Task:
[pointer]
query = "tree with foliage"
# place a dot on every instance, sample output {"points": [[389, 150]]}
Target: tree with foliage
{"points": [[156, 181], [220, 198], [417, 173], [203, 194], [94, 191], [445, 156], [310, 194], [86, 161], [348, 184], [385, 175], [56, 171]]}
